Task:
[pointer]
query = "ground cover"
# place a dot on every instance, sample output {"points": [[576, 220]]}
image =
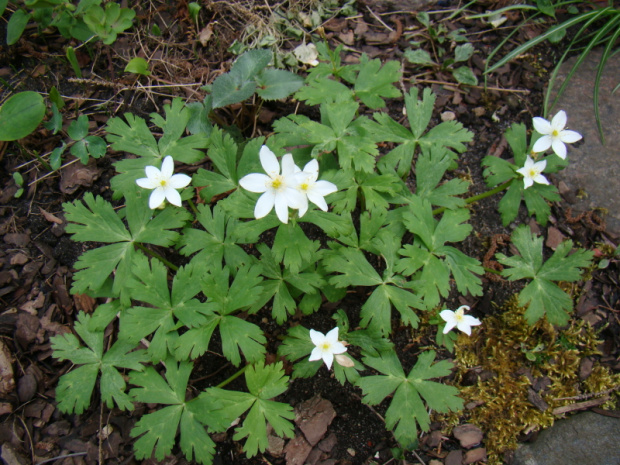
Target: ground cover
{"points": [[547, 368]]}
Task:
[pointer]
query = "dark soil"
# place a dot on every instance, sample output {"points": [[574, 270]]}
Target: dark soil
{"points": [[37, 257]]}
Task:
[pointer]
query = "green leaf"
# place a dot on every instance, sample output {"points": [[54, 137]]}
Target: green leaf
{"points": [[418, 57], [75, 388], [159, 429], [463, 52], [132, 136], [431, 167], [465, 75], [239, 84], [352, 266], [324, 90], [374, 82], [292, 247], [21, 114], [15, 28], [138, 65], [274, 84], [542, 296], [410, 393]]}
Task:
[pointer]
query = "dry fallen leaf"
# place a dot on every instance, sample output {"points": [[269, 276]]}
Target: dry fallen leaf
{"points": [[7, 382]]}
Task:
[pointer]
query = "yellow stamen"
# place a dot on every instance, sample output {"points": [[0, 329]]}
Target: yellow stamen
{"points": [[276, 183], [326, 346], [304, 187], [555, 133]]}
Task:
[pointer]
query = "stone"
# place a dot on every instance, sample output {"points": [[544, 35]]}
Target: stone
{"points": [[313, 418], [297, 450], [475, 455], [593, 167], [468, 435], [455, 457], [582, 439]]}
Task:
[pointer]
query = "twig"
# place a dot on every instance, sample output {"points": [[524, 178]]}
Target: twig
{"points": [[499, 89], [591, 394], [378, 18], [579, 406], [53, 459]]}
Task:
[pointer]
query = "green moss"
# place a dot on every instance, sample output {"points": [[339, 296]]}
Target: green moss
{"points": [[514, 353]]}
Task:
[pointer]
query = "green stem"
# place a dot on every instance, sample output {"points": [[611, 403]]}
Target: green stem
{"points": [[170, 265], [232, 378], [478, 197], [43, 162], [491, 270], [192, 206]]}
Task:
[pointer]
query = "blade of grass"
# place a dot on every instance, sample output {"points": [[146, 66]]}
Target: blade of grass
{"points": [[599, 73]]}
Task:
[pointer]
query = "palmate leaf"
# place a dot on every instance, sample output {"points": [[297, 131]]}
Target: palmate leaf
{"points": [[374, 82], [219, 407], [280, 283], [157, 431], [542, 296], [95, 219], [410, 393], [75, 388], [448, 135], [223, 299], [429, 261], [218, 243], [430, 168]]}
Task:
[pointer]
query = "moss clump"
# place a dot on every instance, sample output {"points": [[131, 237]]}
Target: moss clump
{"points": [[520, 362]]}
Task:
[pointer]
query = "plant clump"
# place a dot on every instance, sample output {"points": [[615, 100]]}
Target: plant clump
{"points": [[523, 375]]}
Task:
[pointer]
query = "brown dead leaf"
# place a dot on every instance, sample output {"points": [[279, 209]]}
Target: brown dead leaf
{"points": [[7, 381], [77, 175], [205, 34], [554, 238], [313, 417], [49, 217]]}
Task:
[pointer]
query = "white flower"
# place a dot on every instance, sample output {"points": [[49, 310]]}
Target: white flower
{"points": [[278, 189], [307, 54], [327, 345], [164, 183], [554, 135], [459, 319], [532, 172], [313, 190]]}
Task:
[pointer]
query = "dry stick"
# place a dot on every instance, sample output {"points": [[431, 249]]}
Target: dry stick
{"points": [[591, 394], [579, 406], [378, 18], [53, 459], [499, 89]]}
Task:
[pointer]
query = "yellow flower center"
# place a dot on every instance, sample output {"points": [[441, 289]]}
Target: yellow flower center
{"points": [[276, 183], [533, 173], [163, 183], [326, 346], [304, 186], [555, 133]]}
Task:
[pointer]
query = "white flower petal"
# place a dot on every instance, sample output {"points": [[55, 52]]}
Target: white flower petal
{"points": [[540, 179], [332, 335], [527, 182], [281, 208], [542, 144], [289, 168], [152, 173], [317, 354], [318, 200], [570, 136], [471, 321], [179, 181], [264, 204], [541, 125], [324, 188], [559, 121], [462, 326], [269, 162], [146, 183], [294, 198], [317, 337], [255, 182], [173, 197], [312, 166], [328, 358], [338, 348], [157, 198], [559, 148], [303, 208], [167, 167]]}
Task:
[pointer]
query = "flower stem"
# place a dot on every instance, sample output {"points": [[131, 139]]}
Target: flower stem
{"points": [[491, 270], [233, 377], [478, 197], [170, 265], [192, 206]]}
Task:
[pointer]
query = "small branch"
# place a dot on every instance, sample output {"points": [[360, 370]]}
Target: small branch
{"points": [[170, 265], [591, 394], [579, 406], [478, 197]]}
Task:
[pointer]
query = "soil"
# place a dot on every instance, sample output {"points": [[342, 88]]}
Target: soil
{"points": [[37, 256]]}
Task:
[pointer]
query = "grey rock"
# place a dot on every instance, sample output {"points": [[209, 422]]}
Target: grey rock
{"points": [[583, 439], [593, 167]]}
